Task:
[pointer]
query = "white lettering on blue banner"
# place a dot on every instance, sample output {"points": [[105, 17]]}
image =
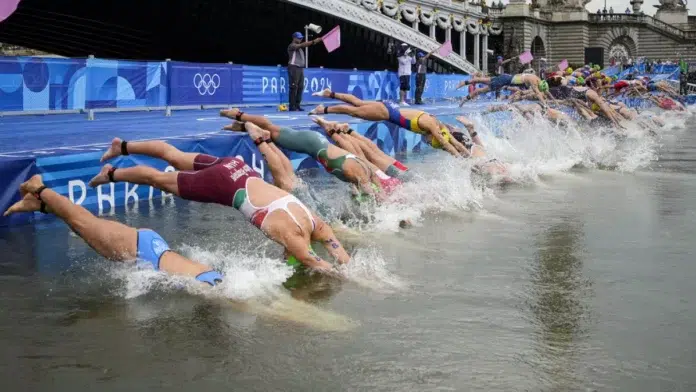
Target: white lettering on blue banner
{"points": [[316, 84], [71, 191], [273, 85]]}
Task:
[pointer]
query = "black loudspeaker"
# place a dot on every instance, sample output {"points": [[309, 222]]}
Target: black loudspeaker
{"points": [[594, 56]]}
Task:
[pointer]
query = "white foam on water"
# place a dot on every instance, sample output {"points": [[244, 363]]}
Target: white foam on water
{"points": [[369, 269]]}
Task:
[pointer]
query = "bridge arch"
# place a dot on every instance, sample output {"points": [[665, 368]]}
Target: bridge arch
{"points": [[538, 49], [619, 42], [354, 13]]}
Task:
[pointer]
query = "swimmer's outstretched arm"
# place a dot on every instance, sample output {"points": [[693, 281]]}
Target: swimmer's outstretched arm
{"points": [[112, 240], [325, 234]]}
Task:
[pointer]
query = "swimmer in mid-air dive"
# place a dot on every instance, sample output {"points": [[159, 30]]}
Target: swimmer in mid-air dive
{"points": [[229, 181], [496, 83], [434, 132], [342, 164], [114, 241]]}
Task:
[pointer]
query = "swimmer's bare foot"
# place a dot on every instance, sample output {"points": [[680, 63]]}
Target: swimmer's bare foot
{"points": [[229, 113], [256, 132], [28, 204], [317, 110], [102, 177], [235, 127], [113, 151], [325, 93], [31, 186]]}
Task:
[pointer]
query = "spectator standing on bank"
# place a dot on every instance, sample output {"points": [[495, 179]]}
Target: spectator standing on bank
{"points": [[296, 65], [406, 60], [421, 72]]}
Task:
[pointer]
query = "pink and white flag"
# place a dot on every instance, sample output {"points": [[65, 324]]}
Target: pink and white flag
{"points": [[332, 39], [7, 8], [526, 57], [563, 65], [445, 49]]}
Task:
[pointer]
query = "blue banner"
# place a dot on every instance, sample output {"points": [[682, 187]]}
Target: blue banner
{"points": [[126, 84], [205, 84]]}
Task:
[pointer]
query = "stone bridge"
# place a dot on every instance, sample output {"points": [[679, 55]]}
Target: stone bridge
{"points": [[401, 21]]}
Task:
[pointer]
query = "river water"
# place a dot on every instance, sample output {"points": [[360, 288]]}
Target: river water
{"points": [[579, 278]]}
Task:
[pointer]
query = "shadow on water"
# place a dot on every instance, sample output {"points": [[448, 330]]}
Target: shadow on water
{"points": [[558, 295]]}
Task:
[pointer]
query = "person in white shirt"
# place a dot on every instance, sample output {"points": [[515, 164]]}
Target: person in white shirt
{"points": [[406, 60]]}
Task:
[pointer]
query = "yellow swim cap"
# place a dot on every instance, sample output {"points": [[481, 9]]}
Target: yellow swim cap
{"points": [[569, 71], [282, 107], [595, 107]]}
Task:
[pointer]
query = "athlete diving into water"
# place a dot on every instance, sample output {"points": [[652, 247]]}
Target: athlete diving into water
{"points": [[434, 132], [229, 181], [112, 240]]}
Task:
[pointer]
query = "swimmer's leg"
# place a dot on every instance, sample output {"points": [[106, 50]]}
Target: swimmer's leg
{"points": [[281, 177], [142, 175], [345, 97], [373, 111], [156, 149], [381, 160], [113, 240]]}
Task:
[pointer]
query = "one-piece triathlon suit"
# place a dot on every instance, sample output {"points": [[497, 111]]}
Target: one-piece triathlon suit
{"points": [[395, 117], [224, 181], [151, 247], [317, 146]]}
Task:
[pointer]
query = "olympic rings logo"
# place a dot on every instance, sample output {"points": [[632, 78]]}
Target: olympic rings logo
{"points": [[206, 84]]}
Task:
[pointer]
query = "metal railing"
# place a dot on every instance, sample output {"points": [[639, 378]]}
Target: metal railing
{"points": [[643, 19]]}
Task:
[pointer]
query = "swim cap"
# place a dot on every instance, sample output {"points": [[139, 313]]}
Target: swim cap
{"points": [[615, 77], [581, 81], [282, 107], [607, 79], [569, 71], [293, 262], [572, 81], [595, 107], [543, 86]]}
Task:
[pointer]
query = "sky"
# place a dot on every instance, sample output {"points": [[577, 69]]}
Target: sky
{"points": [[620, 6]]}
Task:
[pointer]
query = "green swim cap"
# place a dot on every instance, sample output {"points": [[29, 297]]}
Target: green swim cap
{"points": [[543, 86], [580, 81], [293, 262], [363, 197]]}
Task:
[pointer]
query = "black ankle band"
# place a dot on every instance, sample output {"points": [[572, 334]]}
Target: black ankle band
{"points": [[332, 95], [350, 130], [42, 209], [111, 174], [124, 147], [473, 135], [326, 110], [37, 194], [258, 141], [268, 141], [239, 115]]}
